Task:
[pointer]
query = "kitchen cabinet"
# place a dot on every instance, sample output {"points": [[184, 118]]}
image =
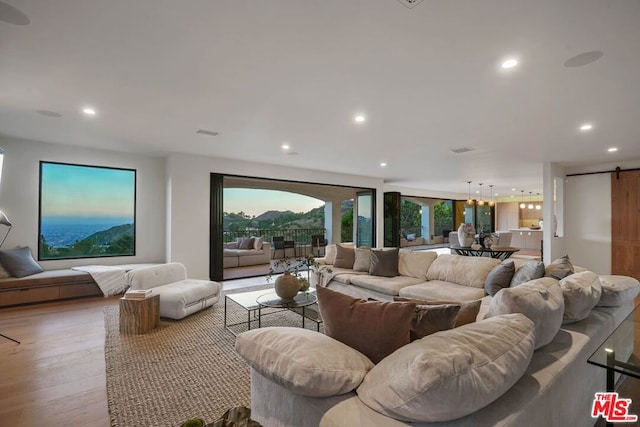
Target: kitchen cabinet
{"points": [[507, 216], [526, 239]]}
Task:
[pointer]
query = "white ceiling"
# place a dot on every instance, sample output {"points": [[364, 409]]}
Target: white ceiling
{"points": [[272, 71]]}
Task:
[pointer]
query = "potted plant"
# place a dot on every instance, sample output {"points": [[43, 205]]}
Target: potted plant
{"points": [[292, 277]]}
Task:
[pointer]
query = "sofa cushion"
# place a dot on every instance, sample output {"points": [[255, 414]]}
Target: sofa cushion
{"points": [[158, 275], [307, 362], [540, 300], [19, 262], [343, 275], [463, 270], [345, 257], [385, 285], [500, 277], [384, 262], [415, 263], [559, 268], [617, 290], [581, 292], [362, 260], [468, 309], [438, 290], [376, 329], [528, 271], [452, 373]]}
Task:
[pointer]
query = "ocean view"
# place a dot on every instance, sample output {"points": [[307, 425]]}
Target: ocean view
{"points": [[63, 231]]}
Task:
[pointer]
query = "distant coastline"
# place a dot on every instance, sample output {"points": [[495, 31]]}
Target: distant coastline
{"points": [[64, 231]]}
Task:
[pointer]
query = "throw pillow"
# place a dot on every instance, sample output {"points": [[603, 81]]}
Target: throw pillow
{"points": [[468, 309], [246, 243], [411, 237], [530, 270], [581, 292], [362, 259], [559, 268], [429, 319], [345, 257], [617, 290], [376, 329], [3, 273], [384, 262], [257, 243], [19, 262], [540, 300], [453, 373], [330, 254], [304, 361], [500, 277]]}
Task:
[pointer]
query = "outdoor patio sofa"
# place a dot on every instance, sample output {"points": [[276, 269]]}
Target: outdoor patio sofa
{"points": [[246, 251], [539, 377]]}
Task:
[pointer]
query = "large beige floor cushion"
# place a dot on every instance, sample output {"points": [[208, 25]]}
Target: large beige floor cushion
{"points": [[179, 296]]}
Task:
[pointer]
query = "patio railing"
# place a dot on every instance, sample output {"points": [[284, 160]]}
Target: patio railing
{"points": [[300, 236]]}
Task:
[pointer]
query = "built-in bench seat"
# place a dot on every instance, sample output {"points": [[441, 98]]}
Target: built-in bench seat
{"points": [[47, 286]]}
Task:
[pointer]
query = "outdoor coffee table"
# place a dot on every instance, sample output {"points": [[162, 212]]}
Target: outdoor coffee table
{"points": [[300, 301]]}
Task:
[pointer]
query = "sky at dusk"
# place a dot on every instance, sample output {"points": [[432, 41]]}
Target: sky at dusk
{"points": [[70, 190], [254, 202]]}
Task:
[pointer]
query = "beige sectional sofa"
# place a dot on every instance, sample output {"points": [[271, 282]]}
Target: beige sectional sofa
{"points": [[508, 369]]}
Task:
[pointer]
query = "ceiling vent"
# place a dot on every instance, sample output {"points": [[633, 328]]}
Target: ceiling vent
{"points": [[462, 150], [208, 132], [410, 3]]}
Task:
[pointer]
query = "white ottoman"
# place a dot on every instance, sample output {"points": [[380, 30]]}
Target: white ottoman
{"points": [[179, 296], [180, 299]]}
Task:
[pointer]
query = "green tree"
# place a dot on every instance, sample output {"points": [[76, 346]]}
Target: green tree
{"points": [[443, 217], [123, 245], [410, 218], [346, 234]]}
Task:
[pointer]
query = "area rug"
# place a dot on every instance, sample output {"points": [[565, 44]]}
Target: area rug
{"points": [[182, 369]]}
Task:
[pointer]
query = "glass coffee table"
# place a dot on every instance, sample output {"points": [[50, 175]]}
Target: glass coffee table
{"points": [[613, 354], [257, 304], [300, 301]]}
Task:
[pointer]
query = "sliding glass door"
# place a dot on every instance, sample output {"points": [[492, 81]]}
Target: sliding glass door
{"points": [[365, 233]]}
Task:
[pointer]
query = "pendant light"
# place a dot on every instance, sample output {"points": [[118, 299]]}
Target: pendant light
{"points": [[538, 205], [480, 202], [530, 206], [469, 199], [491, 202], [522, 205]]}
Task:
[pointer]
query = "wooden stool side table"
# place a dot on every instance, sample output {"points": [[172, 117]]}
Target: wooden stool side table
{"points": [[138, 316]]}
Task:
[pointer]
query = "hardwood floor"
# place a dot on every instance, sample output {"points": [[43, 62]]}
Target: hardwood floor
{"points": [[56, 376]]}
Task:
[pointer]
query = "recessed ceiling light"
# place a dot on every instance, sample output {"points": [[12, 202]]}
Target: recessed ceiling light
{"points": [[513, 189], [88, 111], [360, 118], [585, 127], [285, 147], [383, 165], [509, 63], [612, 149]]}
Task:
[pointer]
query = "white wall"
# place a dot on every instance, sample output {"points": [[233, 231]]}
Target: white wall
{"points": [[188, 177], [19, 190], [588, 215]]}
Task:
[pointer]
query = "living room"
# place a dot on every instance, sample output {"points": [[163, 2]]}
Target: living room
{"points": [[425, 79]]}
